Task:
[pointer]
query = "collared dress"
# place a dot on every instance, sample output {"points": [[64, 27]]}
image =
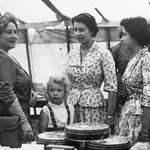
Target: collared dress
{"points": [[60, 114], [86, 79], [137, 80]]}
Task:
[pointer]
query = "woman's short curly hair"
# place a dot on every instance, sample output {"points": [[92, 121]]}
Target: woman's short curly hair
{"points": [[5, 20], [138, 29], [88, 20], [59, 79]]}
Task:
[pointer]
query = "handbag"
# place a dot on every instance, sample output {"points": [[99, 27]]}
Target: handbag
{"points": [[9, 131]]}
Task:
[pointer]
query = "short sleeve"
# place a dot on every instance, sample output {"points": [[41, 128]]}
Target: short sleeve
{"points": [[71, 108], [45, 110], [146, 82], [108, 65]]}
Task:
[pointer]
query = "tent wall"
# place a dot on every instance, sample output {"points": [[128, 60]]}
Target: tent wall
{"points": [[21, 36], [47, 59], [59, 36]]}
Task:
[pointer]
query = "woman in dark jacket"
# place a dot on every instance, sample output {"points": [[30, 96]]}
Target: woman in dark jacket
{"points": [[15, 83]]}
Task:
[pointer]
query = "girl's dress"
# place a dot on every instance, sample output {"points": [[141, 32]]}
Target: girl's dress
{"points": [[59, 115]]}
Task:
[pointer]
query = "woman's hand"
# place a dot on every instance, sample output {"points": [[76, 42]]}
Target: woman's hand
{"points": [[142, 137], [111, 123], [26, 133]]}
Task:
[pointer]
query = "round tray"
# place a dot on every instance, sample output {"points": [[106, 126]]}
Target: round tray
{"points": [[140, 146], [86, 131], [54, 137], [111, 143]]}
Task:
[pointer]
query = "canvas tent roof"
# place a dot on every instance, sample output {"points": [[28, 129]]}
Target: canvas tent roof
{"points": [[32, 11]]}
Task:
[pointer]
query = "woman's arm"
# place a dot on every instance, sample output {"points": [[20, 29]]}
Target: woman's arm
{"points": [[144, 134], [33, 98], [145, 101], [146, 120], [111, 103], [110, 85], [111, 107], [7, 79]]}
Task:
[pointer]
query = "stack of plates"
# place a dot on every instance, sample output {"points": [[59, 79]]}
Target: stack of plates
{"points": [[111, 143], [54, 137], [86, 131]]}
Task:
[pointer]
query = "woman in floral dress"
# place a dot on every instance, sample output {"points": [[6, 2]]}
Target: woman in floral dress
{"points": [[134, 121], [87, 67]]}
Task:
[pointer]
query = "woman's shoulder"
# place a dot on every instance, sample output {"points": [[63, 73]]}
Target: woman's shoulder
{"points": [[6, 61], [144, 53], [101, 49], [4, 57], [74, 50]]}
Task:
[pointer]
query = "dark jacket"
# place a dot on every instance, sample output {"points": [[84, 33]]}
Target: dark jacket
{"points": [[14, 83]]}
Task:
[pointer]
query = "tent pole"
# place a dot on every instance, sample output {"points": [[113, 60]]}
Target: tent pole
{"points": [[29, 64], [107, 31], [27, 51], [67, 35]]}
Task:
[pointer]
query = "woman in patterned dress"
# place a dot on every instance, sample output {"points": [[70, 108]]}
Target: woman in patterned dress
{"points": [[121, 56], [134, 121], [87, 67]]}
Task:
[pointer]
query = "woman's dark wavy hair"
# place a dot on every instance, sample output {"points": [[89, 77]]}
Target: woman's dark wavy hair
{"points": [[88, 20], [5, 20], [138, 29]]}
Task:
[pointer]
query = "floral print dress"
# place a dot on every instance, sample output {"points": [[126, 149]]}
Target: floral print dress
{"points": [[86, 78], [137, 80], [121, 57]]}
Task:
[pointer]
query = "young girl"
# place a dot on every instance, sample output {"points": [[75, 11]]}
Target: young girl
{"points": [[56, 114]]}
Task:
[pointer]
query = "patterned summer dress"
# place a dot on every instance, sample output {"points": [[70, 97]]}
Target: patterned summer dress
{"points": [[137, 80], [86, 77], [121, 57]]}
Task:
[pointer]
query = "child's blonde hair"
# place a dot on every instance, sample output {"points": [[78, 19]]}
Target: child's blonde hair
{"points": [[59, 79]]}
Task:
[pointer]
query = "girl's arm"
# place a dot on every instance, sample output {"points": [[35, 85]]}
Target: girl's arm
{"points": [[43, 122]]}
